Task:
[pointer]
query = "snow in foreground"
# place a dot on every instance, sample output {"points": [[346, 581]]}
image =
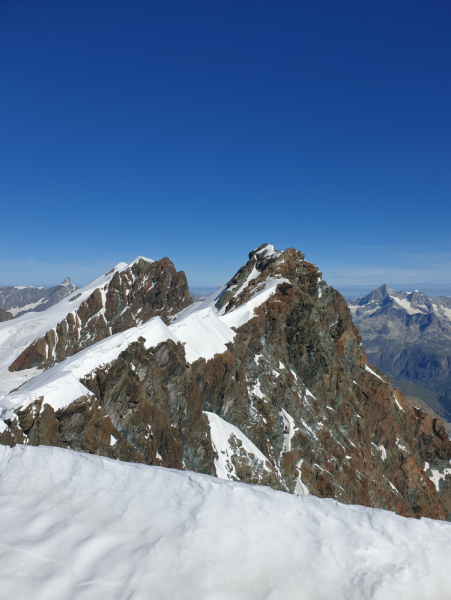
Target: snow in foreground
{"points": [[76, 526]]}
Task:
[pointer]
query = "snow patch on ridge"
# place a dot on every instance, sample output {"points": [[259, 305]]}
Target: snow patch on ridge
{"points": [[383, 451], [300, 489], [399, 406], [203, 333], [367, 368], [252, 275], [134, 261], [241, 315], [290, 429], [437, 476], [222, 433]]}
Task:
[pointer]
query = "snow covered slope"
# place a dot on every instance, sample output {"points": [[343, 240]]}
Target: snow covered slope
{"points": [[18, 334], [202, 332], [60, 384], [80, 527]]}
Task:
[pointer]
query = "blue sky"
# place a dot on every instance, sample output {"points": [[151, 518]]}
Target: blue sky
{"points": [[199, 130]]}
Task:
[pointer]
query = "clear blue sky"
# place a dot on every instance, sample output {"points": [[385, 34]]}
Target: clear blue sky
{"points": [[200, 129]]}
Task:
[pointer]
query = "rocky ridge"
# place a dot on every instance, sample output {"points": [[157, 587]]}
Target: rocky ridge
{"points": [[132, 297], [291, 402]]}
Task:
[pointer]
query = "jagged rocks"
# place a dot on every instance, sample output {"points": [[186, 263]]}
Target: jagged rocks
{"points": [[143, 408], [132, 297]]}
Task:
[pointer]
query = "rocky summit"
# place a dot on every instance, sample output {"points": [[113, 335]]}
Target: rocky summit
{"points": [[266, 382]]}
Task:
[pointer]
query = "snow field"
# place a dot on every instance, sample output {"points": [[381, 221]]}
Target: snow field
{"points": [[203, 333], [82, 527]]}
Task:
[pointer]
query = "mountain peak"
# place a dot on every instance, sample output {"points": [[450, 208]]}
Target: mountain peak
{"points": [[138, 259], [273, 357], [266, 250], [377, 295]]}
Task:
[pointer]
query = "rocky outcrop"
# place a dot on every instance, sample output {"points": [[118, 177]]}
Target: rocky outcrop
{"points": [[143, 408], [419, 403], [295, 382], [132, 297], [21, 299], [5, 316]]}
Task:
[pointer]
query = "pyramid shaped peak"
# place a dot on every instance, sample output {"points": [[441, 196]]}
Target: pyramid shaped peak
{"points": [[377, 295]]}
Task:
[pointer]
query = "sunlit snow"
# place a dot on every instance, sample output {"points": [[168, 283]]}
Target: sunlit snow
{"points": [[221, 431], [80, 527]]}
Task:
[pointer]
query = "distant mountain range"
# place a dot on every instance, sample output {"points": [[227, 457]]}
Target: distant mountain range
{"points": [[408, 336], [20, 299]]}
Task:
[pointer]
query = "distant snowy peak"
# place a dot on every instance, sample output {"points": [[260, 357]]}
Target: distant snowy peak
{"points": [[408, 336], [413, 303], [21, 299]]}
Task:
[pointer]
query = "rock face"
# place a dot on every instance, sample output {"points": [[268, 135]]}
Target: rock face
{"points": [[292, 402], [21, 299], [419, 403], [408, 336], [132, 297], [5, 316]]}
